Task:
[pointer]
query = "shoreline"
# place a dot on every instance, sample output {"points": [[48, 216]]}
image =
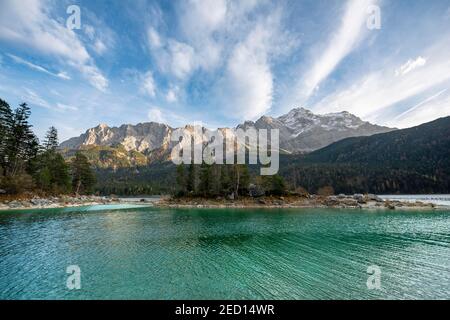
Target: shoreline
{"points": [[357, 201], [54, 202]]}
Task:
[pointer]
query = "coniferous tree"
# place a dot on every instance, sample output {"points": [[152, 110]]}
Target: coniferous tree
{"points": [[6, 116], [245, 180], [205, 180], [22, 145], [190, 184], [51, 139], [225, 180], [241, 179], [51, 171], [181, 180], [274, 185], [83, 178]]}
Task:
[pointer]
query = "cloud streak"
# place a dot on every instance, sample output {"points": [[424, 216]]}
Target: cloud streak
{"points": [[28, 23], [61, 75], [377, 92], [350, 32]]}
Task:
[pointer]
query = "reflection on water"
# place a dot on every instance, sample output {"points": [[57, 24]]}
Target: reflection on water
{"points": [[224, 254]]}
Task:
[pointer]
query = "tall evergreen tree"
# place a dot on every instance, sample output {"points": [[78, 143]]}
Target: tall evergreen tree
{"points": [[190, 184], [205, 180], [6, 116], [51, 171], [22, 145], [83, 178], [241, 179], [181, 179], [225, 180], [51, 139]]}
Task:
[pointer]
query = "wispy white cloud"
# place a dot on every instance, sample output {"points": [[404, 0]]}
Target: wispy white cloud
{"points": [[420, 104], [346, 38], [247, 87], [28, 23], [410, 65], [173, 57], [182, 58], [378, 91], [153, 38], [248, 80], [207, 28], [172, 94], [64, 107], [433, 107], [61, 75], [156, 115], [147, 85], [34, 98]]}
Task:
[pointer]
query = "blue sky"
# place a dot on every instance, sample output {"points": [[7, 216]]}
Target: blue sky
{"points": [[222, 61]]}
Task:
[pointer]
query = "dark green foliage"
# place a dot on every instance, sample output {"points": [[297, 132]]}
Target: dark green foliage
{"points": [[181, 180], [191, 179], [18, 148], [226, 184], [50, 170], [83, 178], [51, 139], [274, 185], [21, 143], [158, 178], [6, 122], [52, 173], [205, 185]]}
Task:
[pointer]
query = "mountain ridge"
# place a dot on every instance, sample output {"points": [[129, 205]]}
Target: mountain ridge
{"points": [[300, 131]]}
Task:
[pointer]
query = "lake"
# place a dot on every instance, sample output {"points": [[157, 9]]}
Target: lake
{"points": [[150, 253]]}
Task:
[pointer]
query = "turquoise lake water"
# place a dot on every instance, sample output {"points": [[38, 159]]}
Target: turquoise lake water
{"points": [[148, 253]]}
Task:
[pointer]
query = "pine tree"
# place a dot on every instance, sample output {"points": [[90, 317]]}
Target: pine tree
{"points": [[6, 116], [51, 139], [245, 179], [241, 179], [83, 178], [51, 171], [225, 180], [181, 179], [205, 180], [22, 145], [274, 185], [190, 184]]}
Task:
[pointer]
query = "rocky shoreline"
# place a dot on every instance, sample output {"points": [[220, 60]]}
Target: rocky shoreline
{"points": [[37, 202], [356, 201]]}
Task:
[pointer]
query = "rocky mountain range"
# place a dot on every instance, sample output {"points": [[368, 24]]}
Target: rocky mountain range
{"points": [[300, 130]]}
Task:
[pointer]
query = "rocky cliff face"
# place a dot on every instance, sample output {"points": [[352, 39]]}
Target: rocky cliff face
{"points": [[143, 137], [300, 131], [303, 131]]}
